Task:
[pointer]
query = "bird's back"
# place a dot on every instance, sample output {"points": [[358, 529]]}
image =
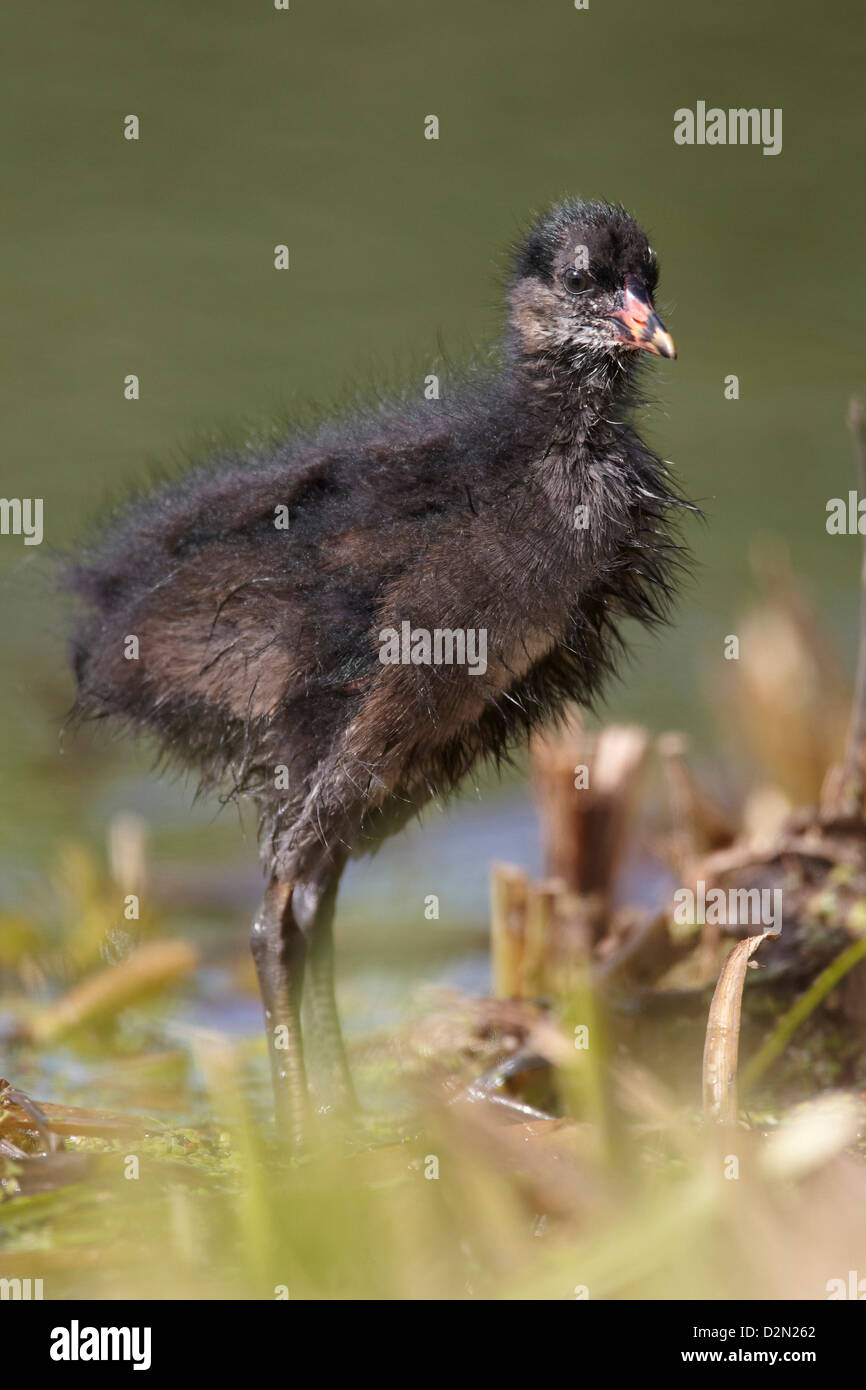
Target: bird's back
{"points": [[255, 581]]}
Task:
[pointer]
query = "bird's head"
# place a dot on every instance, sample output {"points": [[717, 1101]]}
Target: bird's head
{"points": [[581, 294]]}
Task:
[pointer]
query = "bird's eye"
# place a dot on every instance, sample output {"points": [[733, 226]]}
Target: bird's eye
{"points": [[575, 281]]}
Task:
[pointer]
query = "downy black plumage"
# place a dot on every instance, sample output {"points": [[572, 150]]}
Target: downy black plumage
{"points": [[521, 504]]}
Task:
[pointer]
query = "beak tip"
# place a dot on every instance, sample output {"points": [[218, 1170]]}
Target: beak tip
{"points": [[660, 341], [641, 326]]}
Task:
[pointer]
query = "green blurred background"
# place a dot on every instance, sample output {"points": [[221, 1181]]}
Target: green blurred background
{"points": [[306, 127]]}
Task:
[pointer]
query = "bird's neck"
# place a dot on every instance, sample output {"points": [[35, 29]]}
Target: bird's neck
{"points": [[568, 409]]}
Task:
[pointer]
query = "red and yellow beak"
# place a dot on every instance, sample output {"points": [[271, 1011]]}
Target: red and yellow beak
{"points": [[639, 323]]}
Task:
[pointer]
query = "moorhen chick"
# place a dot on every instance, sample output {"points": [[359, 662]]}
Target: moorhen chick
{"points": [[341, 625]]}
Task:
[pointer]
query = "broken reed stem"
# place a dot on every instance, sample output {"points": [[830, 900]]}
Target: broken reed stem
{"points": [[800, 1010], [541, 930], [854, 751], [722, 1043], [539, 934], [586, 800], [509, 888]]}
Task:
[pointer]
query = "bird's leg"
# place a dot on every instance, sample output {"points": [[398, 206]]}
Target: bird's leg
{"points": [[314, 902], [279, 949]]}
